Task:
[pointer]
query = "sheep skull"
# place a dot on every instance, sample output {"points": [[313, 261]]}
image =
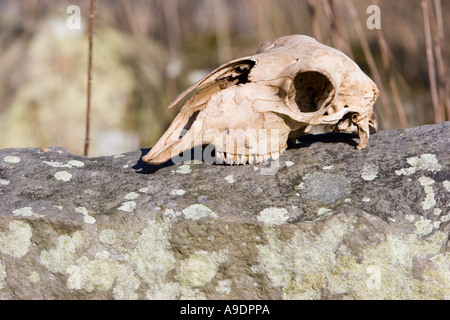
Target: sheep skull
{"points": [[249, 107]]}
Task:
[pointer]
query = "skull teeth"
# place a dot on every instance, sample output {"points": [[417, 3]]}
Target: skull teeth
{"points": [[229, 158]]}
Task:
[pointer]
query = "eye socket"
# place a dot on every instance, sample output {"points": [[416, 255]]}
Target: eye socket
{"points": [[354, 117], [312, 89]]}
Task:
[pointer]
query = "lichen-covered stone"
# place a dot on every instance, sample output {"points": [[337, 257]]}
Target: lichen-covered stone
{"points": [[325, 222]]}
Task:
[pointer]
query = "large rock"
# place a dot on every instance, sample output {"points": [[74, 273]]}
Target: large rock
{"points": [[330, 222]]}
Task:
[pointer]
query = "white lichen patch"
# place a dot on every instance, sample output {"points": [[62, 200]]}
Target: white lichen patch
{"points": [[34, 277], [423, 227], [171, 213], [59, 258], [410, 217], [201, 267], [229, 178], [429, 201], [369, 172], [63, 175], [70, 164], [26, 212], [76, 163], [128, 206], [324, 211], [107, 236], [56, 164], [87, 218], [366, 199], [132, 196], [198, 211], [425, 181], [16, 242], [437, 211], [183, 169], [273, 216], [328, 167], [144, 190], [289, 163], [4, 182], [11, 159], [426, 161], [446, 184], [300, 186], [177, 192]]}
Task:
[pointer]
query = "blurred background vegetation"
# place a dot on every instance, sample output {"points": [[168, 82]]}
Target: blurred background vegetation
{"points": [[148, 51]]}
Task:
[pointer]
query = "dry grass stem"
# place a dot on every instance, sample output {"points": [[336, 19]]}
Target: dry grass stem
{"points": [[89, 83], [438, 38], [315, 28], [438, 110]]}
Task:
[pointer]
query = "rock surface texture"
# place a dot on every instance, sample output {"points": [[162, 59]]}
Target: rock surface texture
{"points": [[325, 222]]}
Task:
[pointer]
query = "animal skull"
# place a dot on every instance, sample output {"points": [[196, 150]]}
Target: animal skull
{"points": [[249, 107]]}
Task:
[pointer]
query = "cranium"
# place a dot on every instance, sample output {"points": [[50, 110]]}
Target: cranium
{"points": [[249, 107]]}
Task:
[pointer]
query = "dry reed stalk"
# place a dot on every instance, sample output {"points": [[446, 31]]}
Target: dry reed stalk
{"points": [[438, 110], [372, 66], [385, 56], [337, 30], [313, 19], [172, 22], [438, 37], [262, 28], [222, 31], [87, 138]]}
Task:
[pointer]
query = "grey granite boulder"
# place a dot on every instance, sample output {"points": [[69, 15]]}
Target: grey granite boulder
{"points": [[324, 222]]}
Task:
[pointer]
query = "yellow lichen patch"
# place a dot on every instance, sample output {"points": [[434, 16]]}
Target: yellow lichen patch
{"points": [[16, 242], [126, 284], [2, 275], [59, 258], [107, 236], [98, 274], [200, 267], [273, 216], [300, 266], [310, 264], [152, 258]]}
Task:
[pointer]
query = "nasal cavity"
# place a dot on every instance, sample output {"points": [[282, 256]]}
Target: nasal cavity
{"points": [[313, 91], [189, 124]]}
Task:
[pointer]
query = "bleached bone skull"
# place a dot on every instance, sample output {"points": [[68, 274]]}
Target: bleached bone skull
{"points": [[249, 107]]}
